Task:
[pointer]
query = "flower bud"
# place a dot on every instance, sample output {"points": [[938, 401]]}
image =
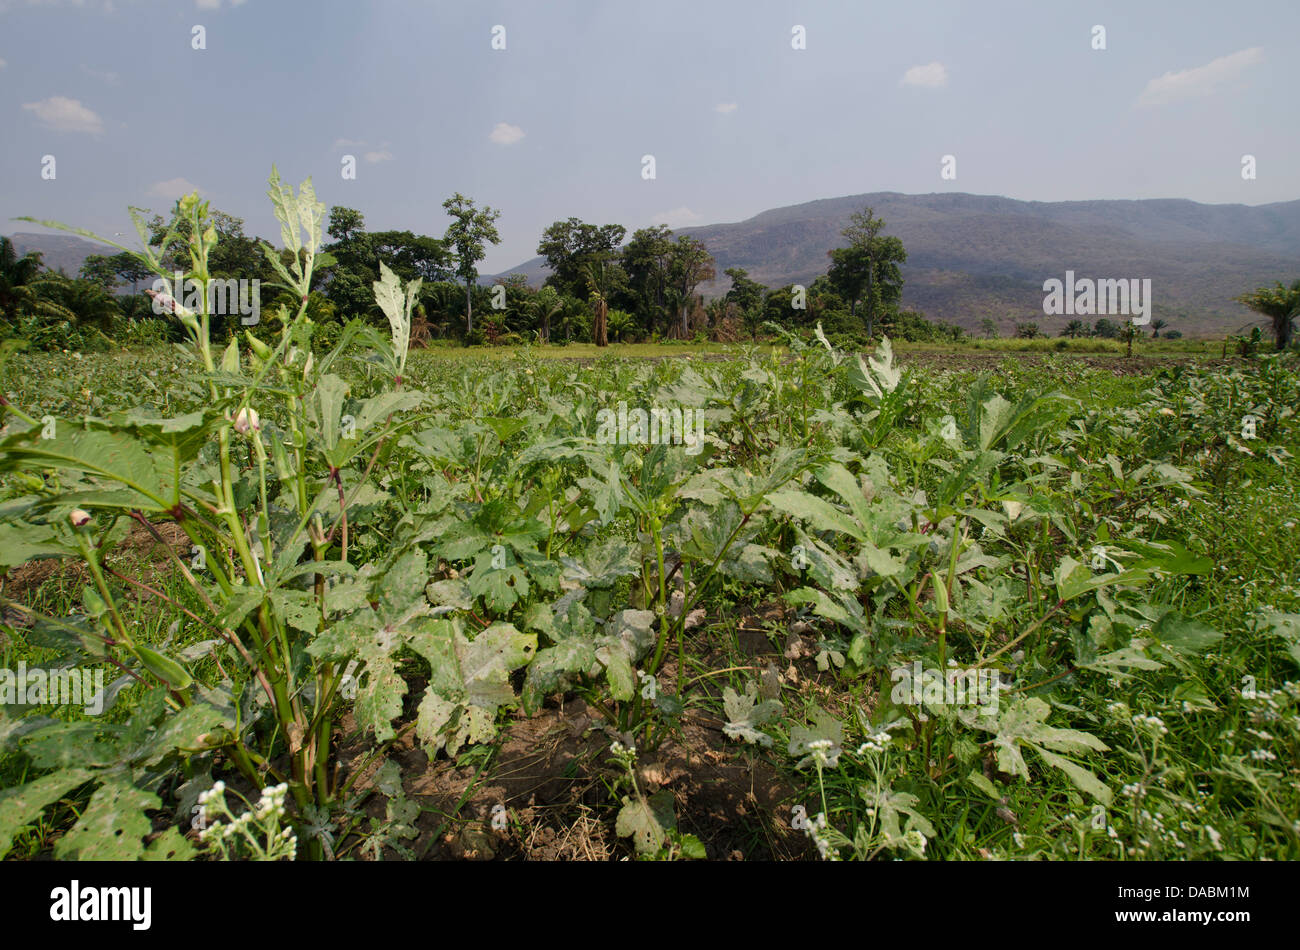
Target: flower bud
{"points": [[79, 517], [247, 420]]}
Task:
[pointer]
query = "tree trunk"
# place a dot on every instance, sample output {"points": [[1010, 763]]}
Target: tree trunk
{"points": [[469, 309], [1282, 332], [602, 329]]}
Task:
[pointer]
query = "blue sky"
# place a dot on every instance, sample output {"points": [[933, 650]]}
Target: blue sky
{"points": [[556, 124]]}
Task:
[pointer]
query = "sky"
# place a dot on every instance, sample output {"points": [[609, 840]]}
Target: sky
{"points": [[558, 123]]}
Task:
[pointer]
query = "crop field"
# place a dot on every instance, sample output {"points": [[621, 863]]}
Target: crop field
{"points": [[269, 599]]}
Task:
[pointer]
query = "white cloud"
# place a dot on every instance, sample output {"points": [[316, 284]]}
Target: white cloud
{"points": [[931, 75], [65, 115], [103, 75], [346, 143], [676, 218], [216, 4], [506, 134], [382, 155], [2, 63], [1200, 81], [172, 189], [725, 107]]}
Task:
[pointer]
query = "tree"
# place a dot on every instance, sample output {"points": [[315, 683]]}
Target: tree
{"points": [[471, 228], [1106, 329], [1075, 328], [345, 223], [235, 256], [16, 274], [79, 301], [1156, 327], [989, 326], [688, 267], [569, 246], [1281, 305], [1128, 333], [645, 259], [747, 295], [356, 254], [869, 269], [546, 304], [1027, 331], [601, 275]]}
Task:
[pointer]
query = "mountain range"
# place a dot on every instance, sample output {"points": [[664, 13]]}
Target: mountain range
{"points": [[975, 256]]}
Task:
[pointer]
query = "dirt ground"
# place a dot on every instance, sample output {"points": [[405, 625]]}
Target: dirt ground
{"points": [[552, 773]]}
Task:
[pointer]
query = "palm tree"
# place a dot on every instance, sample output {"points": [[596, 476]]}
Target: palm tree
{"points": [[77, 301], [620, 322], [16, 274], [597, 274], [1156, 327], [1281, 305], [546, 304], [1128, 333], [1075, 328]]}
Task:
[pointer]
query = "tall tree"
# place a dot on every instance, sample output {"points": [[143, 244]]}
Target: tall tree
{"points": [[1282, 307], [646, 258], [748, 296], [470, 230], [569, 245], [603, 277], [345, 223], [868, 270], [688, 267], [16, 274]]}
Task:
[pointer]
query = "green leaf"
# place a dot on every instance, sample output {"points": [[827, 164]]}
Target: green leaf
{"points": [[112, 826], [20, 806], [745, 715], [647, 821], [1185, 636], [1286, 627], [171, 845]]}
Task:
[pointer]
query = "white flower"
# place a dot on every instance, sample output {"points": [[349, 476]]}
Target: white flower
{"points": [[79, 517], [247, 419]]}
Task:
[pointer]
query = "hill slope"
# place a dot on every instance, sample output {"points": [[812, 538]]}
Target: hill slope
{"points": [[59, 251], [976, 256]]}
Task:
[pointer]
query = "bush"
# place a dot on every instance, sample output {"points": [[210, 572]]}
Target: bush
{"points": [[325, 336], [146, 332]]}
